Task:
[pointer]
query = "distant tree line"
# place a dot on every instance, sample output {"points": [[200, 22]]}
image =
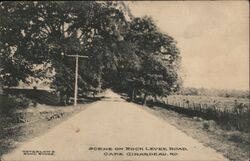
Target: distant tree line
{"points": [[129, 54], [215, 92]]}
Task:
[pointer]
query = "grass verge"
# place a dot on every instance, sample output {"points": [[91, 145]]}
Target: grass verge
{"points": [[24, 124], [233, 144]]}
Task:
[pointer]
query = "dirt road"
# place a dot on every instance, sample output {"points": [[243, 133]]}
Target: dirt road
{"points": [[113, 129]]}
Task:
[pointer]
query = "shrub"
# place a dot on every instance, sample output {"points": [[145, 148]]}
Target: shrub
{"points": [[11, 102]]}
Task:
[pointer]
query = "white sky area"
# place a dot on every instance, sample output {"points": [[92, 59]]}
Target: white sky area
{"points": [[213, 37]]}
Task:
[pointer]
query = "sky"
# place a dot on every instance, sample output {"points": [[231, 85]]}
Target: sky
{"points": [[213, 37]]}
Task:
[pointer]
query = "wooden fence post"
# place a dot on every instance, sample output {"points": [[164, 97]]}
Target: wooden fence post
{"points": [[200, 105], [214, 110]]}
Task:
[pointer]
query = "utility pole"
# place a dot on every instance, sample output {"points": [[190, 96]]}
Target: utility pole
{"points": [[76, 74]]}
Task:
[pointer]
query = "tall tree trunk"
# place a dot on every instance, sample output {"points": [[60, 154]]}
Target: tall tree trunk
{"points": [[131, 94], [135, 94], [144, 99], [155, 98]]}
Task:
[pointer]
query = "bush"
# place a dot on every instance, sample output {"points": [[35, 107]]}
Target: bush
{"points": [[11, 102], [209, 125]]}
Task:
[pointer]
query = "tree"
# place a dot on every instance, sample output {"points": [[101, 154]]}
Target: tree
{"points": [[38, 32], [159, 59], [124, 53]]}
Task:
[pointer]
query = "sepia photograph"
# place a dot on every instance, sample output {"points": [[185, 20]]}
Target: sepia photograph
{"points": [[124, 80]]}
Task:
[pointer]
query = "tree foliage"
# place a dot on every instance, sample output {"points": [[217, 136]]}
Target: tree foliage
{"points": [[125, 52]]}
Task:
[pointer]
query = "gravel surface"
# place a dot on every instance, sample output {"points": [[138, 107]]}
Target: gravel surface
{"points": [[113, 129]]}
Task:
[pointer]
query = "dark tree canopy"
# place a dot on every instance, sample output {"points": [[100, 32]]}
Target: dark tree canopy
{"points": [[125, 52]]}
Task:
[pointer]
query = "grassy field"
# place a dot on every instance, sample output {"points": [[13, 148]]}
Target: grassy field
{"points": [[219, 103]]}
